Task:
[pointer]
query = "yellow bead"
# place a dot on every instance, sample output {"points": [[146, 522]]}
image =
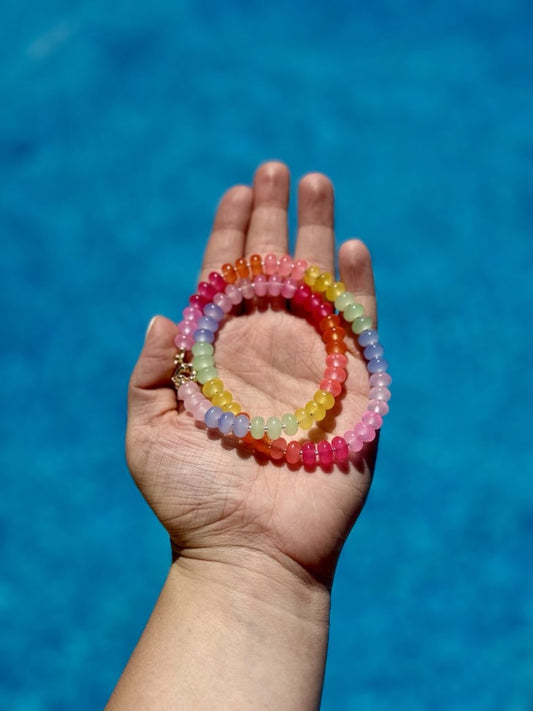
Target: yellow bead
{"points": [[221, 399], [310, 275], [305, 421], [233, 407], [212, 387], [316, 411], [322, 282], [324, 398], [335, 290]]}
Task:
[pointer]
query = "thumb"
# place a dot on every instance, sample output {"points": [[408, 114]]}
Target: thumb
{"points": [[151, 392]]}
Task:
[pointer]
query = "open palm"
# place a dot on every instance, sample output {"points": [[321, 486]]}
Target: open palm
{"points": [[215, 498]]}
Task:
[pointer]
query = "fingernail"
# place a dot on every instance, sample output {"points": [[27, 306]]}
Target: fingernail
{"points": [[149, 327]]}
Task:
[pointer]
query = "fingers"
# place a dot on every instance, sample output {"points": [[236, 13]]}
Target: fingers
{"points": [[226, 243], [149, 394], [355, 266], [268, 231], [316, 238]]}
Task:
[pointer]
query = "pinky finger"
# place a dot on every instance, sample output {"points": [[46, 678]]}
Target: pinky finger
{"points": [[355, 267]]}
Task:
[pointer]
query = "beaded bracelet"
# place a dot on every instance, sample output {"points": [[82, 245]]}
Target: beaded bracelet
{"points": [[308, 286]]}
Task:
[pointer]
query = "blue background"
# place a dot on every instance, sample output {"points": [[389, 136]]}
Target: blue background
{"points": [[121, 124]]}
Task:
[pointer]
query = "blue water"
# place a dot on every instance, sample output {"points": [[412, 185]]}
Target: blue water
{"points": [[121, 124]]}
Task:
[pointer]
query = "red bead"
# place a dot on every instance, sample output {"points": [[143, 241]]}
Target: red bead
{"points": [[325, 309], [325, 453], [331, 386], [207, 290], [293, 452], [340, 450], [303, 292], [278, 448], [338, 374], [217, 281], [309, 454], [198, 300], [313, 302], [336, 360]]}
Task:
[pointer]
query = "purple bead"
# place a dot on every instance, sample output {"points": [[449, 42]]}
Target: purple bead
{"points": [[260, 285], [212, 416], [202, 335], [240, 426], [209, 323], [288, 288], [246, 289], [379, 406], [380, 380], [377, 365], [213, 311], [225, 422], [368, 337], [379, 394], [374, 350], [223, 302]]}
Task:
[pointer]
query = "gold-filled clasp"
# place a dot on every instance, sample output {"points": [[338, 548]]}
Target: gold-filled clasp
{"points": [[184, 371]]}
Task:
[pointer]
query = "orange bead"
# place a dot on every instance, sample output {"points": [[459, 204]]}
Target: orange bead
{"points": [[262, 445], [334, 334], [331, 321], [336, 347], [256, 264], [229, 273], [242, 268]]}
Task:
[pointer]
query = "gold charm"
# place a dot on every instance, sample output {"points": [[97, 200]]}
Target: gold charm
{"points": [[184, 371]]}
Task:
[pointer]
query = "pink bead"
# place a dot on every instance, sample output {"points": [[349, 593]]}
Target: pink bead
{"points": [[338, 374], [336, 360], [270, 264], [200, 409], [379, 394], [198, 300], [191, 401], [373, 419], [302, 293], [330, 386], [380, 380], [325, 453], [233, 294], [288, 288], [246, 288], [260, 285], [217, 281], [184, 341], [379, 406], [298, 270], [285, 266], [365, 432], [187, 328], [205, 289], [187, 389], [274, 285], [325, 309], [309, 454], [192, 313], [354, 442], [223, 302], [340, 450]]}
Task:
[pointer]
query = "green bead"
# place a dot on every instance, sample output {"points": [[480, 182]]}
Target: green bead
{"points": [[344, 300], [203, 361], [257, 427], [352, 311], [201, 348], [362, 323], [273, 425], [206, 374], [289, 424]]}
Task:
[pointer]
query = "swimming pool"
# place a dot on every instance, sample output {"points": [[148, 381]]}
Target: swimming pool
{"points": [[120, 127]]}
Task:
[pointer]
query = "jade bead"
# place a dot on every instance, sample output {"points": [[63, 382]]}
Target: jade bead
{"points": [[361, 323], [257, 427], [289, 423], [344, 300], [207, 374], [202, 362], [202, 348], [273, 425], [352, 311]]}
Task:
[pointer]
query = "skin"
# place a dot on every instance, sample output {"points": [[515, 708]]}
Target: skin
{"points": [[242, 620]]}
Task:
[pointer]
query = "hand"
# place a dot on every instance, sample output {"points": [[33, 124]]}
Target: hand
{"points": [[219, 502]]}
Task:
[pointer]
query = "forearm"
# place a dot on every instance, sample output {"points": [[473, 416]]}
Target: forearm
{"points": [[230, 637]]}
